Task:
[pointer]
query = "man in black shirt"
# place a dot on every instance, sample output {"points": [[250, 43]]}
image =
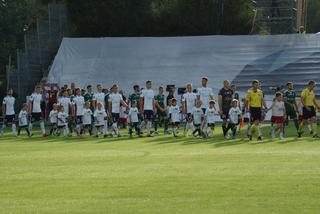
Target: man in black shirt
{"points": [[225, 98]]}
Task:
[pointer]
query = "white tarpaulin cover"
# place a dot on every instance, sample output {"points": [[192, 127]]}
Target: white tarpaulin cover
{"points": [[173, 60]]}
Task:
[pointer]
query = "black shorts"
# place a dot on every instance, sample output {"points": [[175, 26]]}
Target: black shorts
{"points": [[79, 120], [197, 125], [9, 119], [99, 126], [53, 124], [211, 125], [255, 114], [115, 117], [62, 127], [175, 123], [36, 117], [22, 127], [189, 117], [225, 112], [87, 126], [135, 124], [307, 114], [148, 114]]}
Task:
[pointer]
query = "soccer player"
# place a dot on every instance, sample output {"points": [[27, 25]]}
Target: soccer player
{"points": [[8, 112], [309, 112], [134, 118], [63, 121], [66, 102], [234, 117], [209, 118], [161, 113], [225, 98], [53, 116], [174, 115], [289, 97], [87, 118], [135, 96], [100, 122], [205, 94], [188, 103], [147, 105], [77, 109], [115, 102], [235, 93], [88, 96], [99, 97], [35, 101], [278, 116], [197, 115], [23, 119], [254, 103]]}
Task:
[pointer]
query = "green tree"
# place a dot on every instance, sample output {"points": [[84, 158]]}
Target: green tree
{"points": [[313, 23]]}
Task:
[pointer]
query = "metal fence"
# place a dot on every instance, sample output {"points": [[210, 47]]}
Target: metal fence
{"points": [[40, 49]]}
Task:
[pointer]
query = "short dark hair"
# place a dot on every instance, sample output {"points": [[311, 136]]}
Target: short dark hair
{"points": [[89, 86], [289, 83], [148, 81], [278, 94], [311, 82], [255, 81]]}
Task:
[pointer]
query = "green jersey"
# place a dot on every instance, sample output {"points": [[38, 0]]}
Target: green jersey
{"points": [[160, 100], [236, 96], [106, 101], [290, 95], [136, 97], [88, 97]]}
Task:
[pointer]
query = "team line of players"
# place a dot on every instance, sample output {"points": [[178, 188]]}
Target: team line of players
{"points": [[146, 109]]}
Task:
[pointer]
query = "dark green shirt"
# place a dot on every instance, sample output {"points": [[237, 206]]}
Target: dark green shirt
{"points": [[136, 97], [227, 95], [160, 100], [88, 97], [290, 95]]}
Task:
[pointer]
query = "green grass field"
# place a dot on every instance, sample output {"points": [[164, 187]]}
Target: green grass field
{"points": [[159, 175]]}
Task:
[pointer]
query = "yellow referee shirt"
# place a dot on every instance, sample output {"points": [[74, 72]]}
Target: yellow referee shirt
{"points": [[254, 98], [308, 97]]}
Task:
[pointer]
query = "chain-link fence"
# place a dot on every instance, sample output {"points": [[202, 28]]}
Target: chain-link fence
{"points": [[40, 49]]}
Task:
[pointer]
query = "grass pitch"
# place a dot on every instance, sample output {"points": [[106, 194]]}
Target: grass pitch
{"points": [[159, 175]]}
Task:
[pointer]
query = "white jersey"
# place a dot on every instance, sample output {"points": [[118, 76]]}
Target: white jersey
{"points": [[148, 96], [210, 113], [87, 113], [8, 101], [36, 100], [278, 109], [133, 115], [174, 111], [190, 99], [62, 118], [99, 116], [205, 94], [78, 101], [23, 118], [53, 116], [99, 97], [65, 102], [197, 114], [123, 112], [234, 114], [115, 100]]}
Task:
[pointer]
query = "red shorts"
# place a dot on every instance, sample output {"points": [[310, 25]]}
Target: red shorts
{"points": [[122, 121], [275, 119]]}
